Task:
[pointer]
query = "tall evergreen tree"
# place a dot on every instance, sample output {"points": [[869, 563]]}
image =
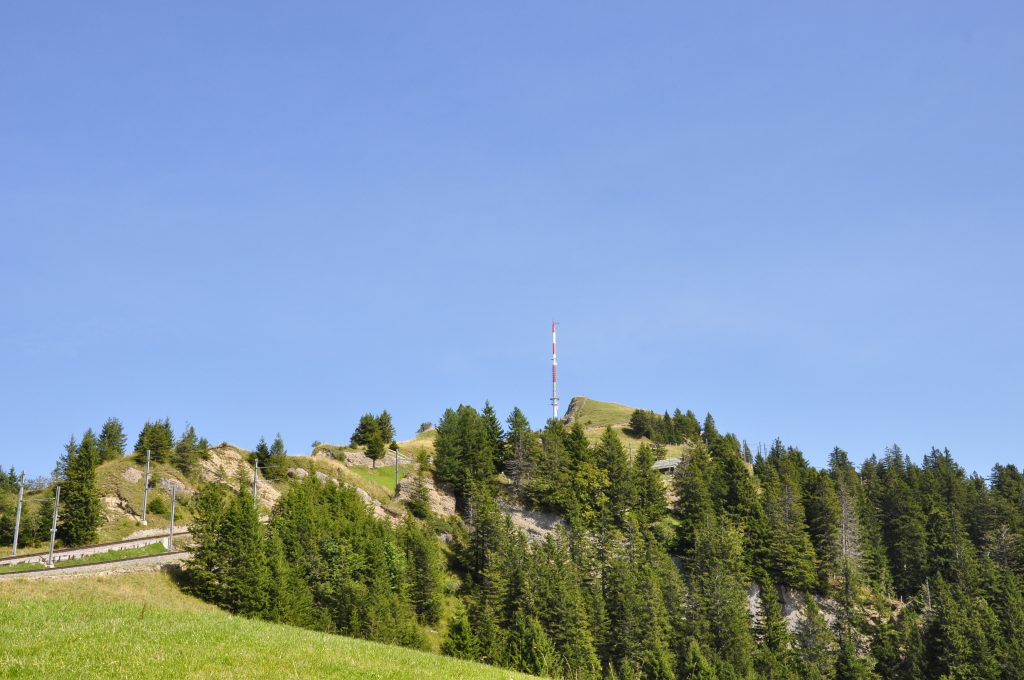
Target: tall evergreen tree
{"points": [[720, 617], [81, 514], [112, 440], [157, 438], [651, 504], [277, 460]]}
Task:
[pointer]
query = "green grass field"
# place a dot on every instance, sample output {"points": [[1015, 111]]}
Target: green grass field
{"points": [[142, 626], [384, 474], [601, 414]]}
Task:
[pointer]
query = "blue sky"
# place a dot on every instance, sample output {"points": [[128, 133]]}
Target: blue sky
{"points": [[263, 218]]}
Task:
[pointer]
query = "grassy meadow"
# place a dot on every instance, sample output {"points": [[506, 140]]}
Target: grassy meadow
{"points": [[142, 626]]}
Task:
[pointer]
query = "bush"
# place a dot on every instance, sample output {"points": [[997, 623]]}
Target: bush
{"points": [[157, 506]]}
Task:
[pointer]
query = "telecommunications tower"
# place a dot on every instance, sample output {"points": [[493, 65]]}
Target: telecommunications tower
{"points": [[554, 374]]}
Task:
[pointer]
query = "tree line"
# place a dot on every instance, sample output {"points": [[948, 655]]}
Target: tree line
{"points": [[758, 566]]}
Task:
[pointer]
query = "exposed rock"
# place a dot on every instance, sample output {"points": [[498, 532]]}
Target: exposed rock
{"points": [[115, 507], [441, 503], [183, 487], [132, 475], [228, 464], [358, 457], [536, 524], [297, 473]]}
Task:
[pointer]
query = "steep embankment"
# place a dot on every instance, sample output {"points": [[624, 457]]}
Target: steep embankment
{"points": [[141, 625]]}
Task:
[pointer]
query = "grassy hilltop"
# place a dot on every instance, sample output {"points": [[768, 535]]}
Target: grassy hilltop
{"points": [[142, 626], [595, 416]]}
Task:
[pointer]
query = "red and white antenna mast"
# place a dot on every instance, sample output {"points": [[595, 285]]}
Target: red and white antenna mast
{"points": [[554, 373]]}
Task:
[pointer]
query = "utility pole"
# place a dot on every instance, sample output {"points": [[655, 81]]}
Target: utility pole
{"points": [[145, 491], [53, 529], [255, 469], [170, 534], [17, 516], [396, 472]]}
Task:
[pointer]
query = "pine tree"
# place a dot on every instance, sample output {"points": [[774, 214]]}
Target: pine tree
{"points": [[561, 606], [495, 435], [157, 438], [112, 440], [823, 521], [419, 496], [81, 513], [815, 645], [611, 457], [460, 641], [693, 507], [649, 489], [720, 617], [375, 448], [277, 460], [386, 428], [261, 455], [695, 665], [189, 450], [242, 574], [774, 657], [368, 425], [60, 468], [789, 555], [424, 558], [521, 446], [464, 451], [289, 599], [962, 641]]}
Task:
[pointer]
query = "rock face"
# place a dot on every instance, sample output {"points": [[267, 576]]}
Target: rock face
{"points": [[297, 473], [574, 408], [441, 503], [536, 524], [227, 464]]}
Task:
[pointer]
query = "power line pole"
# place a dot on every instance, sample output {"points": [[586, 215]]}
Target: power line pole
{"points": [[145, 492], [396, 472], [255, 469], [53, 529], [17, 516], [170, 533]]}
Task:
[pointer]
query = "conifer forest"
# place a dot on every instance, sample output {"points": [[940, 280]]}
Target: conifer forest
{"points": [[738, 564]]}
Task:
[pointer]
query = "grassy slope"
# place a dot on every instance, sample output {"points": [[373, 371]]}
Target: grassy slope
{"points": [[595, 416], [141, 625]]}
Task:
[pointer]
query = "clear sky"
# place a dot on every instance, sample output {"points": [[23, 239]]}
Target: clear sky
{"points": [[273, 217]]}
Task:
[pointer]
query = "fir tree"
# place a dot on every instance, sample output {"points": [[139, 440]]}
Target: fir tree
{"points": [[386, 428], [277, 460], [815, 645], [695, 665], [424, 558], [189, 450], [649, 489], [720, 616], [112, 440], [81, 514], [460, 641], [157, 438], [375, 447]]}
